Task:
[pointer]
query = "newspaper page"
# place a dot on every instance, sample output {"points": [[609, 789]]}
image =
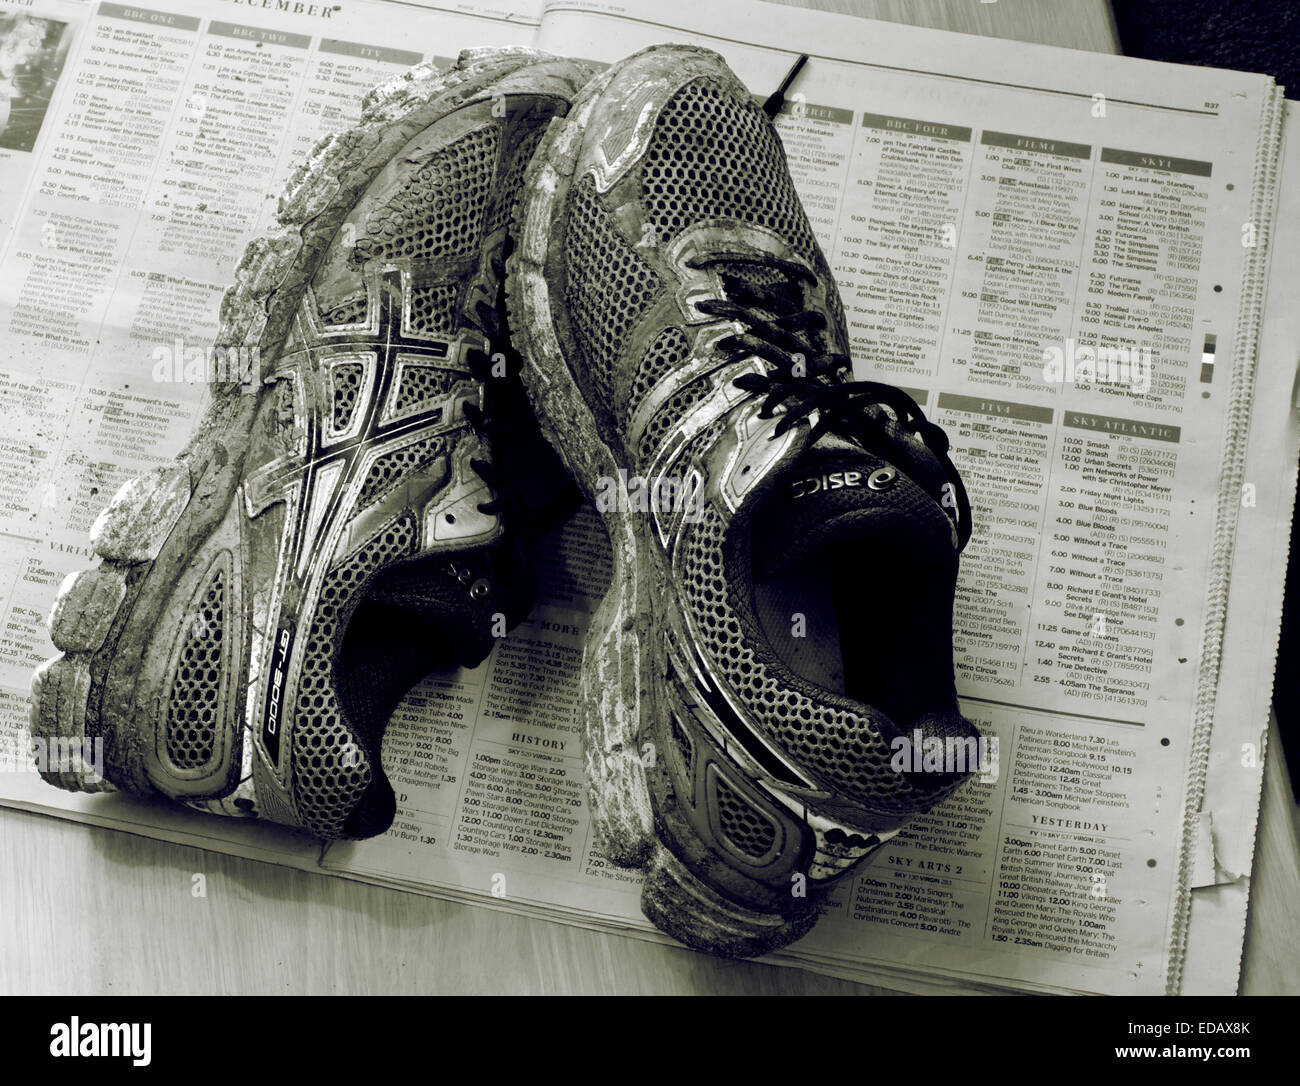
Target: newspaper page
{"points": [[996, 217]]}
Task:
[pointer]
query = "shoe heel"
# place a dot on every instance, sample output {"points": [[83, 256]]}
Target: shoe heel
{"points": [[677, 902], [60, 693], [85, 608], [131, 531]]}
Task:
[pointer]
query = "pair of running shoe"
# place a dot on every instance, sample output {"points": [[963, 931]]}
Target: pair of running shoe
{"points": [[508, 278]]}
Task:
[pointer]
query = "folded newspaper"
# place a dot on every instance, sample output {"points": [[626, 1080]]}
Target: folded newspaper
{"points": [[1082, 266]]}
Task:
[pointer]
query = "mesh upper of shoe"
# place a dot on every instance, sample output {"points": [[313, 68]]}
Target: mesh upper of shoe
{"points": [[439, 212], [715, 154], [668, 351], [195, 705], [345, 382], [712, 154], [331, 769], [434, 219], [609, 286]]}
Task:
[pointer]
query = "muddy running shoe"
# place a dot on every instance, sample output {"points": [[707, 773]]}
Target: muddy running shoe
{"points": [[338, 528], [785, 539]]}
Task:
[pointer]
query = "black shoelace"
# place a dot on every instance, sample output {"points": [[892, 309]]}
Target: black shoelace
{"points": [[804, 378], [777, 98]]}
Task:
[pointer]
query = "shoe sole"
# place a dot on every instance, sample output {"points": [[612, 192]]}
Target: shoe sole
{"points": [[68, 696], [618, 652]]}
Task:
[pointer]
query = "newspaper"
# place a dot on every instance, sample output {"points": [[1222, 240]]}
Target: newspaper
{"points": [[1064, 257]]}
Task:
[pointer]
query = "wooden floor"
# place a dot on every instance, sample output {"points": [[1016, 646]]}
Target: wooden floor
{"points": [[93, 911]]}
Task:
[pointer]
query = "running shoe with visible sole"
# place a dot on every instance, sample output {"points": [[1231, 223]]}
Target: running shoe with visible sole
{"points": [[785, 538], [339, 526]]}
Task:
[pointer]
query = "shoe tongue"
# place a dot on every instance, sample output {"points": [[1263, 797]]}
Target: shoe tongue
{"points": [[825, 497]]}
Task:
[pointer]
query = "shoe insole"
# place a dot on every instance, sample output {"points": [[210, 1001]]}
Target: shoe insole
{"points": [[797, 612], [860, 618]]}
